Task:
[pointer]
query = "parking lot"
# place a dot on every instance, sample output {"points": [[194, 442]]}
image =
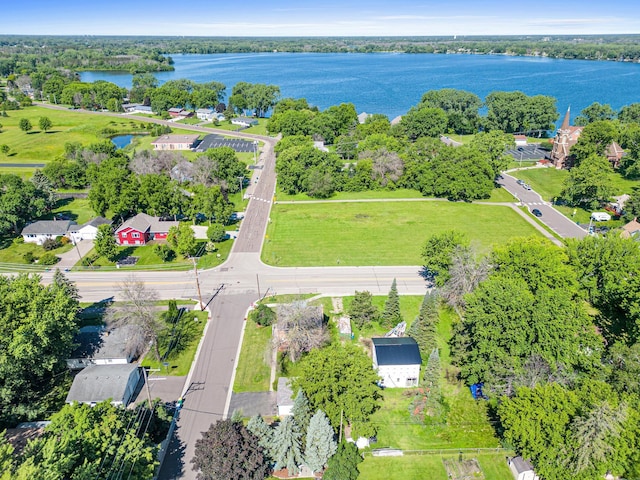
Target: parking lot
{"points": [[528, 153], [215, 141]]}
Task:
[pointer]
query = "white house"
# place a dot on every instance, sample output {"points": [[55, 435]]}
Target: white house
{"points": [[521, 469], [521, 140], [244, 121], [97, 383], [206, 114], [98, 345], [136, 108], [38, 232], [87, 231], [397, 360], [284, 397]]}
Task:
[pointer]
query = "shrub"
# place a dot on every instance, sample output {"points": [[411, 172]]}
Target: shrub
{"points": [[263, 315], [216, 232], [18, 240], [49, 258], [89, 259], [51, 244], [29, 257], [65, 240], [164, 252]]}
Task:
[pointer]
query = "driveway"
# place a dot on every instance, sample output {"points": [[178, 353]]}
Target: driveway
{"points": [[70, 258]]}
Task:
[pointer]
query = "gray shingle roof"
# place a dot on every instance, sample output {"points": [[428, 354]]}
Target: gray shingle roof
{"points": [[397, 351], [101, 343], [143, 222], [48, 227], [97, 383], [521, 465], [284, 395]]}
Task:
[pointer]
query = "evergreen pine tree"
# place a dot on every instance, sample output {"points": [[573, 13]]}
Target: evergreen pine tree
{"points": [[260, 429], [362, 310], [423, 328], [286, 446], [320, 444], [344, 464], [301, 413], [431, 381], [391, 315]]}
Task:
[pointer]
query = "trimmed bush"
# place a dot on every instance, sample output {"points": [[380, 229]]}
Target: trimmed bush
{"points": [[263, 315], [51, 244], [49, 258]]}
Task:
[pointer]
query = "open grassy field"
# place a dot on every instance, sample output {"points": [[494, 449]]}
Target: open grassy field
{"points": [[253, 372], [420, 467], [68, 126], [379, 233]]}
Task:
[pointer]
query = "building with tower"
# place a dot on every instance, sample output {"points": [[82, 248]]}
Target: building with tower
{"points": [[566, 137]]}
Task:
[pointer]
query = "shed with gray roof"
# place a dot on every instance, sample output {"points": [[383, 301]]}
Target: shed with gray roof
{"points": [[105, 346], [397, 360], [98, 383]]}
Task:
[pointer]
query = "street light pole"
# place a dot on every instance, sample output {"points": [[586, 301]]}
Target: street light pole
{"points": [[255, 152], [240, 179]]}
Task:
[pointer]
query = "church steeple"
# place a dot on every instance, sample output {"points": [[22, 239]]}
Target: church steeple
{"points": [[565, 122]]}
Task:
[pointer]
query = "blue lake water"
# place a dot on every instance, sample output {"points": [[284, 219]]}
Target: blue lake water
{"points": [[392, 83], [121, 141]]}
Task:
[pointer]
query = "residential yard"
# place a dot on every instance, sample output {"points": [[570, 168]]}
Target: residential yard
{"points": [[420, 467], [13, 251], [178, 344], [380, 233], [76, 209], [254, 370]]}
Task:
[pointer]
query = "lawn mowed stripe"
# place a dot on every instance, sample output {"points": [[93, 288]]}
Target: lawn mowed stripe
{"points": [[380, 233]]}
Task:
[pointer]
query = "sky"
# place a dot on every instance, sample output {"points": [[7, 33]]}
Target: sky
{"points": [[319, 18]]}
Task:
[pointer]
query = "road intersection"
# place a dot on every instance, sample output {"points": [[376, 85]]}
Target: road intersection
{"points": [[230, 288]]}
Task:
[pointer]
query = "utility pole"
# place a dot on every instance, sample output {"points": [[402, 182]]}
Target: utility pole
{"points": [[255, 152], [195, 268], [146, 382], [258, 282], [241, 178], [340, 438]]}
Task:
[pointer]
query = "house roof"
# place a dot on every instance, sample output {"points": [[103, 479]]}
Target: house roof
{"points": [[205, 110], [168, 139], [362, 117], [614, 150], [249, 120], [101, 343], [175, 110], [95, 222], [97, 383], [631, 228], [521, 465], [143, 223], [565, 121], [48, 227], [396, 351], [284, 395]]}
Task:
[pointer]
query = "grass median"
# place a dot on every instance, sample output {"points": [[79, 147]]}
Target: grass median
{"points": [[380, 233]]}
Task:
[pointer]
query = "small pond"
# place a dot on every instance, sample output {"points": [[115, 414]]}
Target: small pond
{"points": [[121, 141]]}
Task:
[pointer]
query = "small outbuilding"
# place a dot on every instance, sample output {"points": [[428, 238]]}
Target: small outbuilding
{"points": [[284, 397], [521, 469], [397, 360], [521, 140], [98, 345], [98, 383]]}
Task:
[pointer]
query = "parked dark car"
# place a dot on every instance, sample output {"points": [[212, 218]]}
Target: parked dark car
{"points": [[536, 212]]}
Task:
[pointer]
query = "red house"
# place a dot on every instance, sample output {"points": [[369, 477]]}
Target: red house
{"points": [[143, 228]]}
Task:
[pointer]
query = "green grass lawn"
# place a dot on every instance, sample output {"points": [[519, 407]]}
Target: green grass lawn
{"points": [[13, 252], [260, 129], [184, 339], [77, 209], [253, 372], [379, 233], [68, 126], [420, 467]]}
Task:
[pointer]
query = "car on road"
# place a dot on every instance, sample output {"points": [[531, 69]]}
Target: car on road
{"points": [[520, 181], [536, 212], [526, 187]]}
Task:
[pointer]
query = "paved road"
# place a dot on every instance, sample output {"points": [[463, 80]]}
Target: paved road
{"points": [[550, 216]]}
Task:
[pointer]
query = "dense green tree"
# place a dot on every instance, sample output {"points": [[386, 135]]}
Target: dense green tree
{"points": [[362, 310], [159, 195], [589, 185], [493, 146], [391, 314], [25, 125], [431, 381], [515, 112], [438, 254], [21, 202], [287, 447], [105, 243], [320, 444], [257, 97], [212, 203], [630, 113], [182, 239], [44, 186], [460, 173], [423, 328], [216, 232], [292, 123], [595, 112], [424, 122], [624, 363], [263, 432], [226, 168], [594, 140], [301, 413], [39, 324], [460, 106], [295, 165], [228, 450], [45, 124], [343, 465], [339, 379], [263, 315]]}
